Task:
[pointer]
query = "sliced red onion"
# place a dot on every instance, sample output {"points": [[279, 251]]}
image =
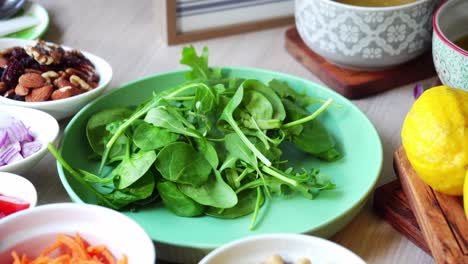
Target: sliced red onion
{"points": [[11, 153], [29, 148], [16, 141], [18, 132]]}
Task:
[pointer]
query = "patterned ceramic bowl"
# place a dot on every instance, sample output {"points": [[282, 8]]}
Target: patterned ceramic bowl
{"points": [[369, 38], [451, 62]]}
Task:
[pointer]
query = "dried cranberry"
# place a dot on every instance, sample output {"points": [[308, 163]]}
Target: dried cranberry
{"points": [[12, 72], [18, 53], [74, 58]]}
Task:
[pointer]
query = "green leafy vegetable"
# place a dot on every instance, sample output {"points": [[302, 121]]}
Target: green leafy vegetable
{"points": [[211, 145]]}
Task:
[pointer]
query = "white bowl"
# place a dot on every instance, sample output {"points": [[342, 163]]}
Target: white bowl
{"points": [[17, 186], [290, 247], [31, 231], [66, 107], [42, 126], [365, 38]]}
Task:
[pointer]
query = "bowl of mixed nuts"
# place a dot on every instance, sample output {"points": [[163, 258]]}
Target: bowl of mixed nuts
{"points": [[49, 77]]}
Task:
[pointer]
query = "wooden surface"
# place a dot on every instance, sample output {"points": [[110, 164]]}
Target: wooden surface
{"points": [[391, 203], [358, 84], [441, 217], [131, 36]]}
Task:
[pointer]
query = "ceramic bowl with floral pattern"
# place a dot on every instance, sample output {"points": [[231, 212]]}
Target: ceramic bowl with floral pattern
{"points": [[451, 62], [365, 38]]}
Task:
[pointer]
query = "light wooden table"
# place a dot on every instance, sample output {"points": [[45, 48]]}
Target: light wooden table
{"points": [[131, 36]]}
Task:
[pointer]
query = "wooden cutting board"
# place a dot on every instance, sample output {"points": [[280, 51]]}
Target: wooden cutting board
{"points": [[440, 217], [358, 84]]}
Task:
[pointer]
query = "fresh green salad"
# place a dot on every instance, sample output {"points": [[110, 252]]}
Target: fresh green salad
{"points": [[209, 146]]}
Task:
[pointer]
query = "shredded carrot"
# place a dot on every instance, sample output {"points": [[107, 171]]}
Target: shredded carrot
{"points": [[71, 250]]}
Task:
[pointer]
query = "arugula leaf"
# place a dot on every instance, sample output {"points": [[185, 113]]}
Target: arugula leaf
{"points": [[199, 64]]}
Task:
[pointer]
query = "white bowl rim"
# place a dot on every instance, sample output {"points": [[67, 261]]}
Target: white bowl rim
{"points": [[440, 34], [96, 208], [93, 58], [373, 8], [56, 131], [282, 236], [24, 181]]}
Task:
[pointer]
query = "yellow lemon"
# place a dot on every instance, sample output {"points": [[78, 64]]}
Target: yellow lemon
{"points": [[435, 139]]}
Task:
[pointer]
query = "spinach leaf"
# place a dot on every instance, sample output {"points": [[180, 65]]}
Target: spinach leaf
{"points": [[179, 162], [314, 138], [208, 151], [141, 189], [159, 117], [149, 137], [238, 150], [227, 115], [245, 206], [214, 192], [130, 170], [257, 86], [96, 127], [176, 201]]}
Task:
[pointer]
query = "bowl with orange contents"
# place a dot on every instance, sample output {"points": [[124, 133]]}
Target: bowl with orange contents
{"points": [[67, 232]]}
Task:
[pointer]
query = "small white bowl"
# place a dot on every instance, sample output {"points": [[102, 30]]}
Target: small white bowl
{"points": [[42, 126], [17, 186], [61, 109], [290, 247], [31, 231]]}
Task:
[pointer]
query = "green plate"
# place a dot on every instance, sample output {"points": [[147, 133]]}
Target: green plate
{"points": [[37, 11], [355, 175]]}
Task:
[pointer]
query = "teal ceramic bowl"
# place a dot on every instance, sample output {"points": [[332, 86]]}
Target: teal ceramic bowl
{"points": [[451, 61], [355, 175]]}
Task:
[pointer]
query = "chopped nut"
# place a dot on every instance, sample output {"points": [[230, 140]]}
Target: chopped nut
{"points": [[45, 54], [21, 90], [72, 71], [49, 76], [79, 82], [40, 94], [64, 92], [31, 80]]}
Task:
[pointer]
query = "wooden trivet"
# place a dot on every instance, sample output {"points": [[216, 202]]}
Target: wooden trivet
{"points": [[440, 217], [390, 203], [358, 84]]}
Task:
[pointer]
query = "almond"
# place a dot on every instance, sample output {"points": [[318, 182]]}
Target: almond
{"points": [[21, 90], [62, 82], [40, 94], [31, 80], [31, 70], [2, 87], [64, 92]]}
